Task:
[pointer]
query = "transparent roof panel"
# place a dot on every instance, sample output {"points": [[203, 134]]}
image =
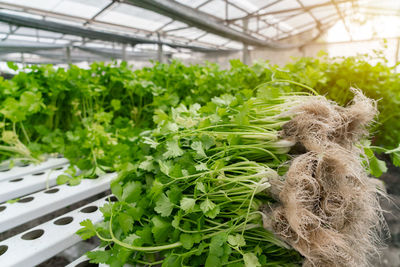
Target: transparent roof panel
{"points": [[61, 41], [18, 13], [308, 3], [306, 26], [132, 16], [283, 5], [215, 8], [173, 24], [192, 3], [249, 6], [234, 45], [323, 12], [22, 38], [329, 19], [270, 32], [34, 32], [261, 3], [85, 9], [41, 4], [5, 28], [299, 20], [212, 38], [191, 33], [234, 12]]}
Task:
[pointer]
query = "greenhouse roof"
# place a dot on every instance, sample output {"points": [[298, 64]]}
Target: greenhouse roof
{"points": [[181, 25]]}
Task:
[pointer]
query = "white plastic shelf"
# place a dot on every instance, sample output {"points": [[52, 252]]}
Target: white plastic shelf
{"points": [[46, 240], [29, 183], [45, 202], [18, 171]]}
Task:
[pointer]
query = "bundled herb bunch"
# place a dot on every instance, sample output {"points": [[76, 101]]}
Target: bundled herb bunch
{"points": [[203, 192]]}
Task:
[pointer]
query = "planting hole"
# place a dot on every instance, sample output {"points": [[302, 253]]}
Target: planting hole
{"points": [[25, 200], [89, 209], [64, 221], [3, 249], [16, 180], [113, 199], [86, 264], [38, 173], [2, 208], [58, 168], [32, 235], [52, 191]]}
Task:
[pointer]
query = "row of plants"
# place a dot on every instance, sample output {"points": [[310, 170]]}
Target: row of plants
{"points": [[91, 115]]}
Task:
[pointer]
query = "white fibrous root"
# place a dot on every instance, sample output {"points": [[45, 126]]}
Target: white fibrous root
{"points": [[328, 206]]}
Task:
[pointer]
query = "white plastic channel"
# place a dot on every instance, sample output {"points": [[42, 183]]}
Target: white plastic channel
{"points": [[17, 187], [44, 202], [46, 240], [18, 171], [84, 261]]}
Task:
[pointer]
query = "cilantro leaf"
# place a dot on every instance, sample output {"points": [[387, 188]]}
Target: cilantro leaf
{"points": [[377, 167], [198, 147], [251, 260], [236, 240], [132, 239], [187, 204], [201, 167], [160, 229], [173, 149], [88, 229], [209, 208], [187, 241], [164, 205], [126, 222], [147, 165], [131, 191], [99, 256]]}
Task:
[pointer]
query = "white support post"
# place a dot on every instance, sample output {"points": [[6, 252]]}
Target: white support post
{"points": [[159, 50], [124, 52], [68, 54], [246, 53]]}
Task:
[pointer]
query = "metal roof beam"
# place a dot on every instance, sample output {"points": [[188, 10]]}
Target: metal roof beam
{"points": [[87, 33], [198, 19], [305, 9]]}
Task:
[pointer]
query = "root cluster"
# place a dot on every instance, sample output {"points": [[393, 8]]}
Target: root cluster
{"points": [[329, 209]]}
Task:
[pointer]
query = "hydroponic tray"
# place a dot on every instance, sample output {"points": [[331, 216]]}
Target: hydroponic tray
{"points": [[34, 193]]}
